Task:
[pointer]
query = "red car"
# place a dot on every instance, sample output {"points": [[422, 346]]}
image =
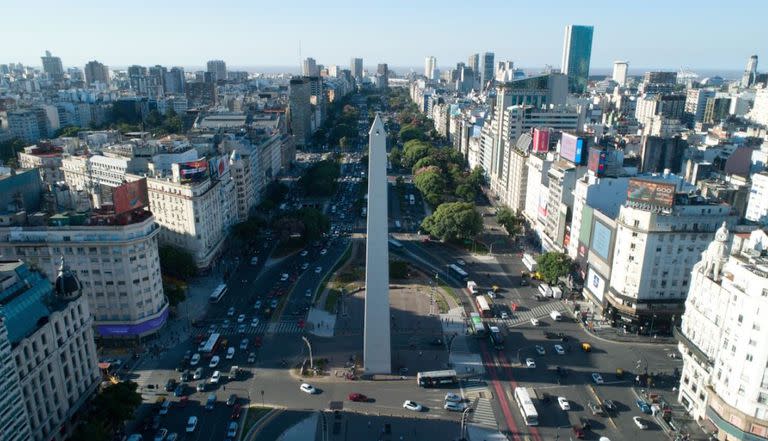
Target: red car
{"points": [[257, 341], [183, 401], [578, 431], [236, 412], [357, 397]]}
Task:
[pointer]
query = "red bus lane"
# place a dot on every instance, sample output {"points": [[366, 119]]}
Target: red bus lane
{"points": [[499, 389], [513, 384]]}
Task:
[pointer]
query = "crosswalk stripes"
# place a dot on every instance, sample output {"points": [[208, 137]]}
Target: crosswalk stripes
{"points": [[479, 395], [526, 316], [281, 327]]}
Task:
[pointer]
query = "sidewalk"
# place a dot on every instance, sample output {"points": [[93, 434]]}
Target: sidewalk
{"points": [[596, 325]]}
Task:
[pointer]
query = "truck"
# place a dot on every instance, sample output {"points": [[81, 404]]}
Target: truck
{"points": [[472, 286], [557, 293], [529, 262], [545, 290]]}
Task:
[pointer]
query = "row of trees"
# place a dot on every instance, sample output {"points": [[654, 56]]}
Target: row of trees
{"points": [[320, 178], [301, 226], [452, 221], [110, 408]]}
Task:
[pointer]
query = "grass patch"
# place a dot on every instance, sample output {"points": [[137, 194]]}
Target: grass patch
{"points": [[442, 305], [451, 292], [332, 300], [255, 413]]}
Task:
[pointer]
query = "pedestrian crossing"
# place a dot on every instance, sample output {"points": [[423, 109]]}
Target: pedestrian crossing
{"points": [[282, 327], [520, 317], [479, 396]]}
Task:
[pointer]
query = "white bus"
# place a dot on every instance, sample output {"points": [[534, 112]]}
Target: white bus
{"points": [[218, 293], [457, 269], [436, 378], [525, 404], [211, 345]]}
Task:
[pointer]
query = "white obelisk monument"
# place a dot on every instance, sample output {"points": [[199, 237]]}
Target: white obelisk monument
{"points": [[377, 357]]}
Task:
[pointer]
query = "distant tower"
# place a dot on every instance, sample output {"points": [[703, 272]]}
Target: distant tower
{"points": [[52, 66], [218, 68], [487, 70], [309, 68], [430, 64], [377, 356], [577, 52], [750, 72], [356, 67], [620, 69]]}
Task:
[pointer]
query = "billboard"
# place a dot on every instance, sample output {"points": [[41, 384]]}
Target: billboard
{"points": [[193, 171], [218, 166], [572, 148], [598, 159], [133, 330], [540, 140], [130, 196], [601, 240], [595, 284], [657, 194]]}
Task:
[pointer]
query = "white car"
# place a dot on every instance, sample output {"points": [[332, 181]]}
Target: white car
{"points": [[452, 397], [308, 388], [191, 424], [323, 252], [231, 311], [563, 402], [412, 405], [461, 262], [304, 265], [540, 350], [597, 378], [530, 363], [195, 359], [504, 315], [303, 253], [318, 269], [284, 277], [255, 322], [454, 407], [257, 305], [215, 377], [559, 349], [308, 293], [639, 423], [230, 353], [241, 318], [241, 329], [535, 322], [214, 361], [244, 344]]}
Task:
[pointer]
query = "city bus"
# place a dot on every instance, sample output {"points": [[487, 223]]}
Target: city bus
{"points": [[478, 327], [483, 307], [211, 345], [525, 404], [436, 378], [457, 269], [218, 293], [497, 340]]}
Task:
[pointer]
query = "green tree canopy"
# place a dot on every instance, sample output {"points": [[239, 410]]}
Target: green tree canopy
{"points": [[396, 157], [453, 220], [431, 184], [553, 265], [509, 221], [176, 262], [410, 132], [69, 131], [320, 178], [307, 224], [413, 151]]}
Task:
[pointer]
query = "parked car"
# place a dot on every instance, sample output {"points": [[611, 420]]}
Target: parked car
{"points": [[559, 350], [232, 429], [540, 350], [597, 378], [241, 318], [198, 373], [215, 377], [214, 361], [595, 408], [639, 423], [244, 344], [194, 360], [454, 407], [530, 363], [232, 400], [412, 405], [643, 406], [610, 406], [230, 353], [535, 322], [231, 311], [563, 403]]}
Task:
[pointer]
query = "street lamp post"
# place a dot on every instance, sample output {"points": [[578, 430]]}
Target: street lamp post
{"points": [[309, 347], [650, 333]]}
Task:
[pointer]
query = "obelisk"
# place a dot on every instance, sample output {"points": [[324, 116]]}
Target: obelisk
{"points": [[377, 357]]}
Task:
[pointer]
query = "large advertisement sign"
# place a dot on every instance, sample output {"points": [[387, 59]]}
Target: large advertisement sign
{"points": [[130, 196], [572, 148], [595, 283], [133, 330], [218, 166], [540, 140], [658, 194], [193, 171], [601, 240], [598, 160]]}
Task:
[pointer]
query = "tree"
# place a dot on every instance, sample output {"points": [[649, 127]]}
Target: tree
{"points": [[68, 132], [453, 220], [553, 265], [307, 224], [413, 151], [175, 293], [117, 403], [320, 178], [395, 157], [249, 229], [91, 431], [409, 132], [276, 192], [431, 184], [10, 148], [466, 192], [177, 262], [509, 221]]}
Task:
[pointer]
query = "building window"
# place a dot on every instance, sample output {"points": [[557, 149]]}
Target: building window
{"points": [[749, 357]]}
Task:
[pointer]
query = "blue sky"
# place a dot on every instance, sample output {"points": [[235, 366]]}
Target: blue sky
{"points": [[650, 34]]}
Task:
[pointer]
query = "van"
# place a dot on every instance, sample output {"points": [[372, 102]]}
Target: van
{"points": [[555, 315], [545, 290], [557, 293]]}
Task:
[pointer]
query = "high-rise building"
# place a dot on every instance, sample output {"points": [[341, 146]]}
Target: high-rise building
{"points": [[658, 154], [473, 62], [299, 110], [218, 68], [383, 72], [430, 65], [96, 72], [52, 66], [716, 109], [138, 79], [487, 71], [14, 421], [620, 69], [29, 125], [356, 67], [577, 52], [723, 337], [757, 208], [309, 68], [658, 82], [174, 81], [156, 81], [696, 102], [750, 72], [51, 334]]}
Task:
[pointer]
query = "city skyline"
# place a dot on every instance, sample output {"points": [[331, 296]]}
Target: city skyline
{"points": [[239, 43]]}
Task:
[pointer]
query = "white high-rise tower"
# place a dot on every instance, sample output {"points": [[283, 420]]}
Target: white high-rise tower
{"points": [[377, 357], [620, 69], [430, 64]]}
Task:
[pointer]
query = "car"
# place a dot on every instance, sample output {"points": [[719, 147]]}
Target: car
{"points": [[595, 408], [254, 260], [232, 429], [161, 434], [244, 344], [308, 388], [241, 318], [252, 357], [214, 361], [165, 407], [303, 253], [231, 311], [235, 411], [308, 293], [195, 359], [273, 303], [560, 350], [357, 397], [185, 376], [504, 315], [170, 385], [179, 391], [215, 377], [454, 407], [225, 324], [639, 423], [540, 350], [597, 378], [210, 402], [183, 401], [323, 252], [230, 353], [241, 329], [284, 277], [304, 265], [198, 373], [643, 406], [232, 400], [610, 406], [412, 405], [257, 305], [187, 355], [530, 363], [318, 269], [535, 322], [135, 437], [452, 397], [200, 386], [578, 431], [191, 424], [461, 262], [255, 322], [563, 403]]}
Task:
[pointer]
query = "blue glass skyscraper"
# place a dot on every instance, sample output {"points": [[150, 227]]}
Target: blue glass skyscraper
{"points": [[577, 51]]}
